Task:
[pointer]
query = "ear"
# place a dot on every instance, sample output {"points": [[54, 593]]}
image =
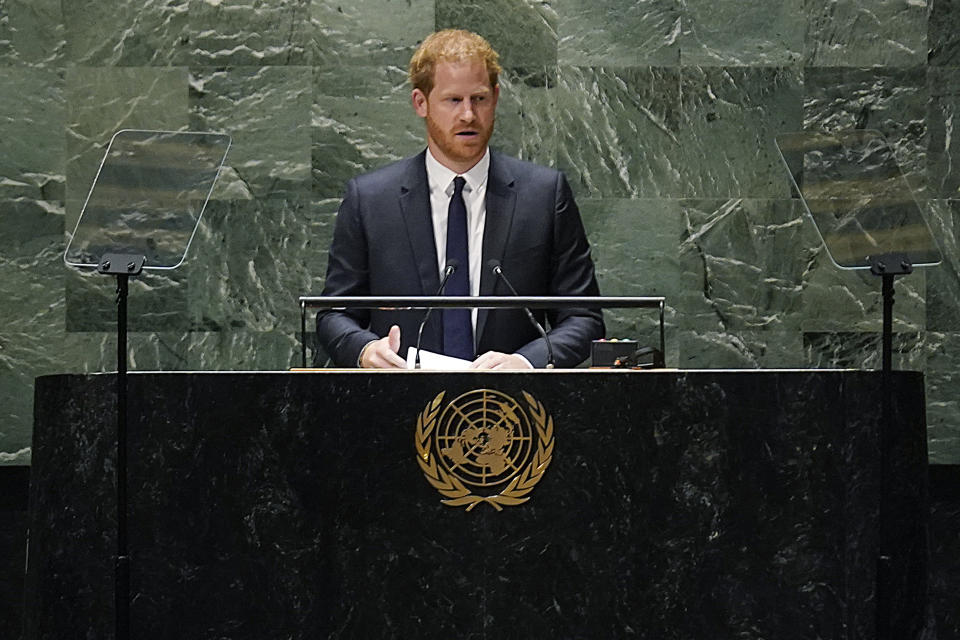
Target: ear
{"points": [[496, 94], [419, 100]]}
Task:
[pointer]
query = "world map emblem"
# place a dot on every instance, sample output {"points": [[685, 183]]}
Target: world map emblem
{"points": [[484, 446]]}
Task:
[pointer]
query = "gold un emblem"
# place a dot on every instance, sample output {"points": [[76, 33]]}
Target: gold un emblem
{"points": [[484, 441]]}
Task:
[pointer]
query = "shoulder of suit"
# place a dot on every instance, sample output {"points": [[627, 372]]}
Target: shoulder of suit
{"points": [[522, 169], [393, 173]]}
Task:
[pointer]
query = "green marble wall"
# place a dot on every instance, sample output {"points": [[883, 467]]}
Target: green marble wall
{"points": [[662, 113]]}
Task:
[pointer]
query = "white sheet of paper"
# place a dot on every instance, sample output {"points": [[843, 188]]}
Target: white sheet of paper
{"points": [[430, 360]]}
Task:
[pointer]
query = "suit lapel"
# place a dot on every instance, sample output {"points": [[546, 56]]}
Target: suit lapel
{"points": [[415, 207], [501, 203]]}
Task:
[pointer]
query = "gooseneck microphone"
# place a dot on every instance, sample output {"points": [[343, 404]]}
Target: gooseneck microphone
{"points": [[452, 266], [494, 266]]}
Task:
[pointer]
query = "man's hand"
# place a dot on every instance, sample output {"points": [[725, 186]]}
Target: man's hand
{"points": [[382, 353], [497, 360]]}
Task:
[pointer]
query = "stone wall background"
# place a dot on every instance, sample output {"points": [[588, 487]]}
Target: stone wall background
{"points": [[661, 112]]}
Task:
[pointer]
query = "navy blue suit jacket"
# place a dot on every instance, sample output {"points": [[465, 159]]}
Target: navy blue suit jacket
{"points": [[383, 244]]}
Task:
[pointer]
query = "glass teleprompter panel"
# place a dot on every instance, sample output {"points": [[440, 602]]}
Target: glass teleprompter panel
{"points": [[148, 196], [857, 196]]}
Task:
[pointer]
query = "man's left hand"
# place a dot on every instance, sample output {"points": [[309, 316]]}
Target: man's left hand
{"points": [[502, 361]]}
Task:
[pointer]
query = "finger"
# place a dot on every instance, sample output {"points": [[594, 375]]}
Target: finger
{"points": [[386, 358], [486, 361], [394, 361], [512, 362], [379, 355], [393, 339]]}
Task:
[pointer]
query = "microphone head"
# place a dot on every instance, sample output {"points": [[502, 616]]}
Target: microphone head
{"points": [[493, 265], [453, 263]]}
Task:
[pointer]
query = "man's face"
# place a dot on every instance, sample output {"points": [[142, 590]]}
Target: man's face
{"points": [[459, 113]]}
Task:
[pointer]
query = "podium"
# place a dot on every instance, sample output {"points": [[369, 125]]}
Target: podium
{"points": [[684, 504]]}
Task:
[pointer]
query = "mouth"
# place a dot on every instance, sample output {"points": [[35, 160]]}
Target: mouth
{"points": [[469, 133]]}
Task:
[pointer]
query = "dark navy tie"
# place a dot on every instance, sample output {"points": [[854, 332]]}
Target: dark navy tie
{"points": [[457, 328]]}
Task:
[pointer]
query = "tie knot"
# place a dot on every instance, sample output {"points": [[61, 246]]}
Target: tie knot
{"points": [[458, 184]]}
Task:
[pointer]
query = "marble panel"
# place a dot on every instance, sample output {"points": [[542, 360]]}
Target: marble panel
{"points": [[742, 33], [250, 261], [618, 34], [127, 33], [523, 32], [249, 32], [863, 350], [891, 101], [266, 110], [742, 265], [101, 101], [851, 33], [37, 352], [32, 115], [525, 127], [943, 403], [16, 398], [731, 116], [844, 300], [31, 316], [943, 32], [157, 301], [235, 350], [738, 349], [620, 131], [242, 350], [31, 267], [943, 280], [31, 33], [943, 121], [355, 132], [323, 215], [381, 34], [633, 246], [7, 56], [95, 352], [361, 80]]}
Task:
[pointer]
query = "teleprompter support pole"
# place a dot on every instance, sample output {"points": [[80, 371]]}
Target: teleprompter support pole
{"points": [[122, 266], [888, 267]]}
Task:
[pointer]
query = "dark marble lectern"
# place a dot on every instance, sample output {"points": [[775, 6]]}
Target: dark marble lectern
{"points": [[714, 504]]}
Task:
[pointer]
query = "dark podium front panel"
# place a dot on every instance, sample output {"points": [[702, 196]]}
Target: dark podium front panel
{"points": [[750, 504]]}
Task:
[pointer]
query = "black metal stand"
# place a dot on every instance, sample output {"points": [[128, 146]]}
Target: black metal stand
{"points": [[888, 267], [122, 266]]}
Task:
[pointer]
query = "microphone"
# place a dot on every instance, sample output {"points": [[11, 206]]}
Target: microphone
{"points": [[452, 265], [495, 267]]}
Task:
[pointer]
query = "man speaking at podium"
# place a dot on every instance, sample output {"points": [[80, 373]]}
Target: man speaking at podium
{"points": [[459, 219]]}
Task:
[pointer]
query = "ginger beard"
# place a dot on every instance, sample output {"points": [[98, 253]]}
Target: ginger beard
{"points": [[459, 113]]}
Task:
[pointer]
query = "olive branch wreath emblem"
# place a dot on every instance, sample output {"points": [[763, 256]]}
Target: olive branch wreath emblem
{"points": [[456, 492]]}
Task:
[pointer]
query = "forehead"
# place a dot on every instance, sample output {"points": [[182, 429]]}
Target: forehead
{"points": [[461, 76]]}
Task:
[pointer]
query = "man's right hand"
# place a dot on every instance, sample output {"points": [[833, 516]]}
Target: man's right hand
{"points": [[383, 353]]}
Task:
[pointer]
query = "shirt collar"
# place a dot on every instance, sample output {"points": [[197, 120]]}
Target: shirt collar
{"points": [[441, 178]]}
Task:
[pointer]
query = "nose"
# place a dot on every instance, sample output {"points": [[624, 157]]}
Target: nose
{"points": [[466, 113]]}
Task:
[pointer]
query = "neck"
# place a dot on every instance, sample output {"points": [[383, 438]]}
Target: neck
{"points": [[458, 167]]}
